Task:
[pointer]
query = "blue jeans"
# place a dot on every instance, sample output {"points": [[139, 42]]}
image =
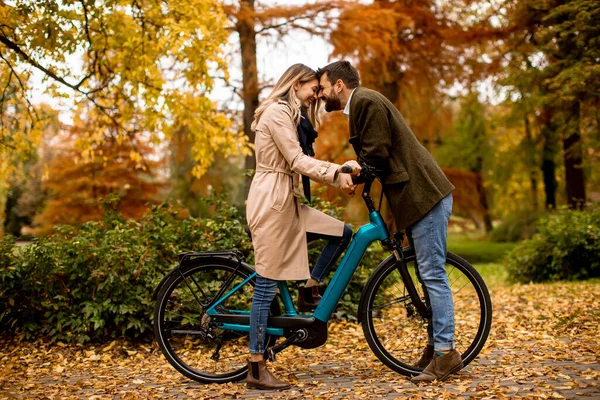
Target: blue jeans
{"points": [[264, 292], [265, 289], [428, 237], [332, 251]]}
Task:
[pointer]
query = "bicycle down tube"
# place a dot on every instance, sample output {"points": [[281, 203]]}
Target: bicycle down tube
{"points": [[367, 234]]}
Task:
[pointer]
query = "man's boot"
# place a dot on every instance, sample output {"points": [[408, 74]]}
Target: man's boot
{"points": [[308, 298], [259, 377], [426, 357], [440, 367]]}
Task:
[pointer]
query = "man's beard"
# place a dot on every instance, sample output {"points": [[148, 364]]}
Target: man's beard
{"points": [[333, 103]]}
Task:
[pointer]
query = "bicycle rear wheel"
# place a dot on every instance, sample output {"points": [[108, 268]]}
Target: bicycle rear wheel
{"points": [[395, 331], [188, 339]]}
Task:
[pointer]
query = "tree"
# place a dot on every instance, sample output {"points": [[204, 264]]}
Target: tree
{"points": [[79, 179], [559, 38], [468, 148], [412, 52], [19, 139], [145, 65]]}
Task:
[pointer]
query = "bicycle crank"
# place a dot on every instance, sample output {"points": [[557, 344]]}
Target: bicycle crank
{"points": [[298, 335]]}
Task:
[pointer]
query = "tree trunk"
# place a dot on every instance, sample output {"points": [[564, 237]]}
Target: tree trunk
{"points": [[250, 89], [549, 151], [487, 220], [572, 152], [530, 145], [3, 199]]}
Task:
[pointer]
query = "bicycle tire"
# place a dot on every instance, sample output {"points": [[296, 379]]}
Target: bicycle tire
{"points": [[400, 348], [181, 326]]}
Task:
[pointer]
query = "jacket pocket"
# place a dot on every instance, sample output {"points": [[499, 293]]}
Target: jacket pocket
{"points": [[396, 177], [279, 194]]}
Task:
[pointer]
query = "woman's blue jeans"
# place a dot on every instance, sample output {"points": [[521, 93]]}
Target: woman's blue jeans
{"points": [[428, 237], [264, 292], [265, 289], [332, 251]]}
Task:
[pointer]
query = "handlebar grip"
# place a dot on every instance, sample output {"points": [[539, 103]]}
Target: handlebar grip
{"points": [[346, 169]]}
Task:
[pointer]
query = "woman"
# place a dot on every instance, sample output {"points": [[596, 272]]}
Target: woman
{"points": [[279, 224]]}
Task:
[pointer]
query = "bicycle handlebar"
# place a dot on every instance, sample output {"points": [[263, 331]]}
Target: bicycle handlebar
{"points": [[367, 175]]}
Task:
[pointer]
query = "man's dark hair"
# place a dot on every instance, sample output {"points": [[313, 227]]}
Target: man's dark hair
{"points": [[341, 70]]}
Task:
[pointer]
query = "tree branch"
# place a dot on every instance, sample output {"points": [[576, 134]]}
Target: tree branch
{"points": [[29, 105]]}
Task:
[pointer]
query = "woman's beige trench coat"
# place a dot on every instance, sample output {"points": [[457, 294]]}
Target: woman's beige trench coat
{"points": [[277, 221]]}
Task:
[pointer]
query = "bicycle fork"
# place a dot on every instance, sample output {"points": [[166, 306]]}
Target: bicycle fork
{"points": [[394, 245]]}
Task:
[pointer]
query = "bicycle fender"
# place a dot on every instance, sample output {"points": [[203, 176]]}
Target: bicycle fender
{"points": [[185, 260], [163, 280]]}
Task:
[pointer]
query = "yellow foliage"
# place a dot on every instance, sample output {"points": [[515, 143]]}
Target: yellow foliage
{"points": [[146, 68]]}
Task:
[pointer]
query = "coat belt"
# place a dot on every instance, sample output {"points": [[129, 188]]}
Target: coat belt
{"points": [[261, 168]]}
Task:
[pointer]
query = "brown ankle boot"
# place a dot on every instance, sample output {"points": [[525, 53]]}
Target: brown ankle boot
{"points": [[308, 298], [440, 367], [426, 357], [259, 377]]}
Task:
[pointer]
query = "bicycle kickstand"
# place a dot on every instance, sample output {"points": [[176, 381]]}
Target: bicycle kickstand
{"points": [[297, 336]]}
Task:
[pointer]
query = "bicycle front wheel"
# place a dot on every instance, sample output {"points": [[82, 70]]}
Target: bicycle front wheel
{"points": [[395, 331], [188, 339]]}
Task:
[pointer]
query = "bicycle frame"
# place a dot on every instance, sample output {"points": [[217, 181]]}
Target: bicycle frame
{"points": [[366, 234]]}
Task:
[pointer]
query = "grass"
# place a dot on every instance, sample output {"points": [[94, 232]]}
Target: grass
{"points": [[477, 250], [493, 274]]}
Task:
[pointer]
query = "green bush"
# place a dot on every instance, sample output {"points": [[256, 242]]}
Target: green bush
{"points": [[516, 227], [96, 281], [566, 247]]}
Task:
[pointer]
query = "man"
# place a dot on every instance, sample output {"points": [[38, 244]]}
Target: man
{"points": [[418, 192]]}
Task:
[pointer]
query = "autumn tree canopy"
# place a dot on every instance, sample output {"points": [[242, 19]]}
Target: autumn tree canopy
{"points": [[145, 66]]}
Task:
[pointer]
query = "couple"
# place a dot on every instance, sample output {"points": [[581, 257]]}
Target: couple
{"points": [[281, 226]]}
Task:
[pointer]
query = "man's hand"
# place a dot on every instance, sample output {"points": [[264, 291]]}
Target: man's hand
{"points": [[346, 184], [352, 164]]}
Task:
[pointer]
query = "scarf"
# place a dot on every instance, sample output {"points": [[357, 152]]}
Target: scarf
{"points": [[306, 136]]}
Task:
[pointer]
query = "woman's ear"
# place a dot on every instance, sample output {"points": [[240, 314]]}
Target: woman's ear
{"points": [[296, 86]]}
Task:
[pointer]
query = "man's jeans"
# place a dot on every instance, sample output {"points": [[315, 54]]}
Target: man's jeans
{"points": [[428, 237]]}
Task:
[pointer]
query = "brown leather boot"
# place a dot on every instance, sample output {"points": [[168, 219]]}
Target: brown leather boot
{"points": [[308, 298], [440, 367], [426, 357], [259, 377]]}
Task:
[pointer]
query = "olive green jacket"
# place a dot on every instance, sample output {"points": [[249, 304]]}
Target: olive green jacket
{"points": [[413, 181]]}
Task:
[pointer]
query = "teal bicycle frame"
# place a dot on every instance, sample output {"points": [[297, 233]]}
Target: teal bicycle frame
{"points": [[367, 234]]}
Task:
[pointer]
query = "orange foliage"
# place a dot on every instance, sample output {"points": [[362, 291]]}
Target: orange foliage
{"points": [[77, 185]]}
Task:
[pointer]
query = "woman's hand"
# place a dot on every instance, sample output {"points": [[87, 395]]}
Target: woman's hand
{"points": [[346, 185], [355, 166]]}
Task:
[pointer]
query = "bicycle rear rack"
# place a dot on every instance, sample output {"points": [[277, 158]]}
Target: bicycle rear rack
{"points": [[192, 255]]}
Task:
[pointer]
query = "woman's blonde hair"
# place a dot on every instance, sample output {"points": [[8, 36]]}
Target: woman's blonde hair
{"points": [[284, 90]]}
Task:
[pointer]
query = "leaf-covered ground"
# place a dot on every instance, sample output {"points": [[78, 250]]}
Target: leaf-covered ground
{"points": [[544, 344]]}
